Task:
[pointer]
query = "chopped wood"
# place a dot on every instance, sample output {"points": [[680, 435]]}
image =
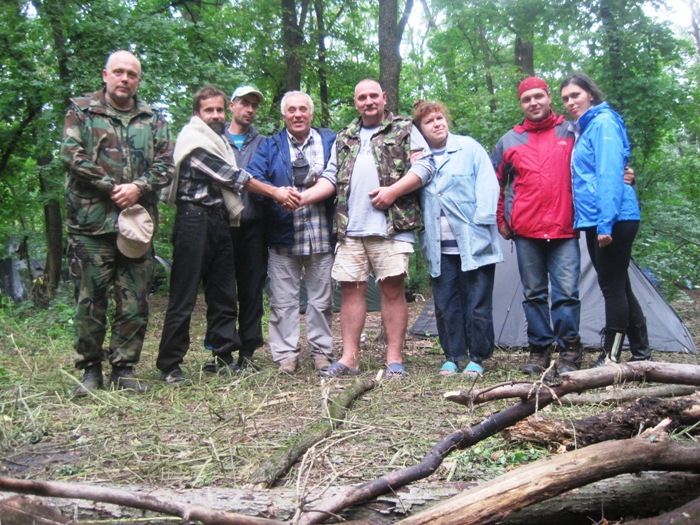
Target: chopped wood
{"points": [[622, 395]]}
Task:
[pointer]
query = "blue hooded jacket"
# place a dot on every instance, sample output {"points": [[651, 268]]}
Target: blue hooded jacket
{"points": [[601, 198]]}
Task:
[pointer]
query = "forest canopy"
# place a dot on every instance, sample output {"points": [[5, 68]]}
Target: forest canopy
{"points": [[470, 55]]}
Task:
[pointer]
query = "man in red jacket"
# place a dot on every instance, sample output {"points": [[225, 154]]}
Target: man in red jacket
{"points": [[535, 209]]}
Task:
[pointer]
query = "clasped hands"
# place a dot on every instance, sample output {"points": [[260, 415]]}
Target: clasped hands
{"points": [[289, 198]]}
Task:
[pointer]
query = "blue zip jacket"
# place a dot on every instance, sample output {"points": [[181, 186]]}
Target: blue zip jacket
{"points": [[601, 198], [271, 164]]}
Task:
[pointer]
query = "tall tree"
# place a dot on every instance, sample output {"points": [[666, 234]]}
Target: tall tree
{"points": [[391, 28]]}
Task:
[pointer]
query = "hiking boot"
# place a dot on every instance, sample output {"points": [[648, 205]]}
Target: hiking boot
{"points": [[92, 380], [289, 366], [228, 369], [222, 365], [612, 348], [639, 342], [571, 356], [538, 360], [123, 378], [321, 362], [175, 378]]}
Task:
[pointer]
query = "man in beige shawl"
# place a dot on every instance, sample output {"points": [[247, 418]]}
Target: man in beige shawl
{"points": [[206, 190]]}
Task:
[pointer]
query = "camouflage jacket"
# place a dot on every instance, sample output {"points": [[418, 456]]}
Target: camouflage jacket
{"points": [[102, 148], [391, 145]]}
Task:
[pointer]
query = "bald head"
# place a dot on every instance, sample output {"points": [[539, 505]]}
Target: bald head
{"points": [[369, 102], [122, 76]]}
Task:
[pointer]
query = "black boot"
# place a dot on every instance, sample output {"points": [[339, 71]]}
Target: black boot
{"points": [[639, 342], [245, 361], [92, 380], [612, 348], [538, 360], [571, 356], [123, 378]]}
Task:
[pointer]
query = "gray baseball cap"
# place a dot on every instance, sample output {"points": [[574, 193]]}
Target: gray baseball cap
{"points": [[242, 91]]}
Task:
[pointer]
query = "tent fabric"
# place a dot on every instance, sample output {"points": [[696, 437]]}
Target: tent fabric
{"points": [[666, 330]]}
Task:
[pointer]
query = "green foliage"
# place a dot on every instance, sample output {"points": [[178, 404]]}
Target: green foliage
{"points": [[493, 457]]}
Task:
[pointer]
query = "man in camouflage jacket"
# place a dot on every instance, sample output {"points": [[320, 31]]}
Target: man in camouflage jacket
{"points": [[372, 154], [118, 153]]}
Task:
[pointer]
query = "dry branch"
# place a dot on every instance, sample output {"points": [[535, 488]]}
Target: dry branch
{"points": [[582, 380], [543, 479], [621, 423], [278, 464], [620, 395], [121, 497]]}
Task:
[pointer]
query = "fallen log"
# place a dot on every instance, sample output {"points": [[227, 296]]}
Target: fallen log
{"points": [[279, 463], [498, 498], [121, 497], [582, 380], [639, 495], [621, 423], [688, 514]]}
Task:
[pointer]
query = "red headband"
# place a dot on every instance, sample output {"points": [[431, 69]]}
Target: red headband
{"points": [[532, 83]]}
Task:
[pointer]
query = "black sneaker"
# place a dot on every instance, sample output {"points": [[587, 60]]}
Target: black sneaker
{"points": [[175, 378], [230, 369]]}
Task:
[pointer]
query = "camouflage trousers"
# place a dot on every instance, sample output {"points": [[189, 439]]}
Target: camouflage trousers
{"points": [[100, 271]]}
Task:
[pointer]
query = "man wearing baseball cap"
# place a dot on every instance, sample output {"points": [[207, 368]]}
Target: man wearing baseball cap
{"points": [[249, 244]]}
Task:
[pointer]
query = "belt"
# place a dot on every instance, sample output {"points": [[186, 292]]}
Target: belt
{"points": [[193, 207]]}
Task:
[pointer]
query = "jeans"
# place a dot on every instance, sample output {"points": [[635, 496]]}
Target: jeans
{"points": [[464, 310], [611, 263], [545, 262], [202, 251]]}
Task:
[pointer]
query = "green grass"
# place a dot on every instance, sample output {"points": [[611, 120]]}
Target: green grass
{"points": [[218, 431]]}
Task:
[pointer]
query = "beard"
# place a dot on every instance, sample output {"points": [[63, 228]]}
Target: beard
{"points": [[217, 127]]}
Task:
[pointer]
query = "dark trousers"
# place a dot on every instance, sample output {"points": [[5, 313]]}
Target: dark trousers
{"points": [[621, 306], [464, 310], [202, 251], [250, 255]]}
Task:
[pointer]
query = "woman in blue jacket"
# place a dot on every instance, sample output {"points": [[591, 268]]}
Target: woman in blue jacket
{"points": [[606, 209]]}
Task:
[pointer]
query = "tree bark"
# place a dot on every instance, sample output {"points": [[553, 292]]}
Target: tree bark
{"points": [[279, 463], [638, 495], [390, 34], [293, 38], [628, 394], [495, 500], [688, 514], [622, 423]]}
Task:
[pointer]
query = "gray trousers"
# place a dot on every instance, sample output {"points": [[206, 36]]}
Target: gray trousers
{"points": [[285, 272]]}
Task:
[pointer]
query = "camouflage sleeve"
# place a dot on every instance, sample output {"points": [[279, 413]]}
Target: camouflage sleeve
{"points": [[160, 173], [77, 159]]}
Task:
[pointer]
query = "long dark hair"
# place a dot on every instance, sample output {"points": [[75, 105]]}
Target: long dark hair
{"points": [[585, 83]]}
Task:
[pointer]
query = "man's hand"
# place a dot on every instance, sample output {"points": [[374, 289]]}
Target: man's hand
{"points": [[628, 176], [382, 197], [125, 195], [604, 240], [506, 231], [289, 198]]}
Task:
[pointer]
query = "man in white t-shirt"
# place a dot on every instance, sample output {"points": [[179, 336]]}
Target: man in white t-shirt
{"points": [[372, 153]]}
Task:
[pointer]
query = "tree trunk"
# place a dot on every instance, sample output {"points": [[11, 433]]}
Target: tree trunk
{"points": [[688, 514], [390, 33], [293, 38], [524, 55], [322, 79]]}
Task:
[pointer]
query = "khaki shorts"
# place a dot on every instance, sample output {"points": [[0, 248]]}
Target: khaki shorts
{"points": [[355, 255]]}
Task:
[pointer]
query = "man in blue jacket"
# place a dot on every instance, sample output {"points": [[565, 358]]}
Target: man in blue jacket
{"points": [[300, 241]]}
